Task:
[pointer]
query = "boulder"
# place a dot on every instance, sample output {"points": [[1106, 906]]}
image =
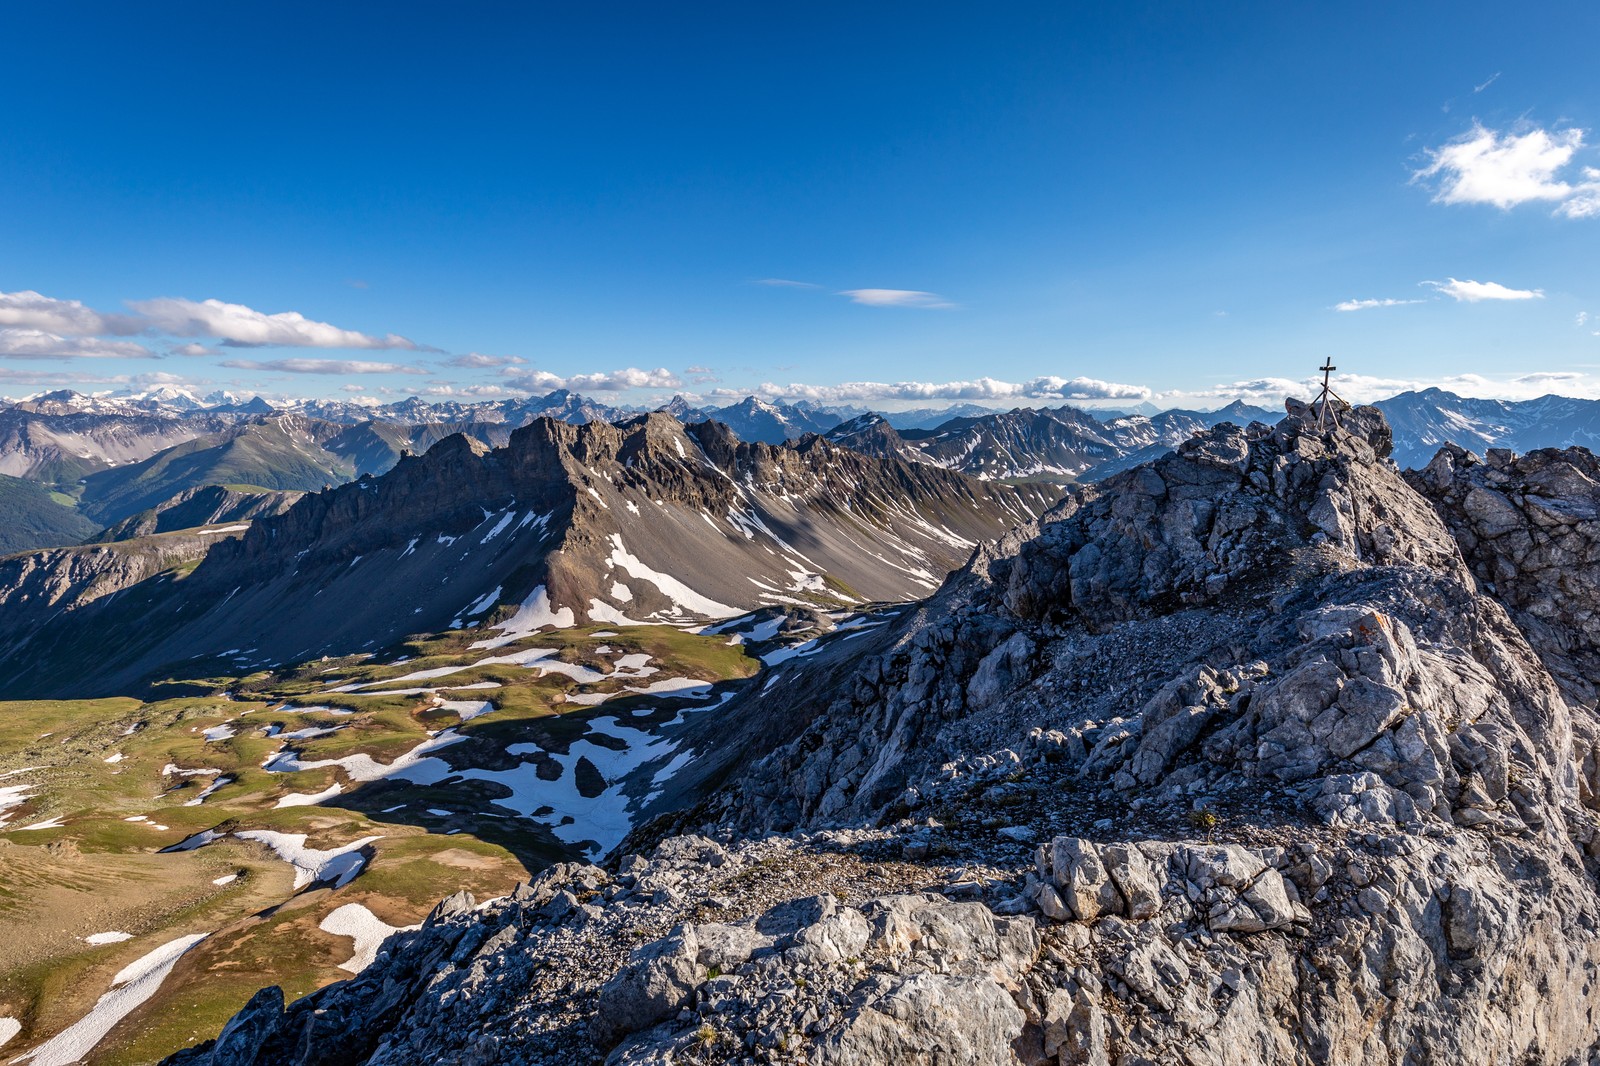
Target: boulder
{"points": [[657, 980]]}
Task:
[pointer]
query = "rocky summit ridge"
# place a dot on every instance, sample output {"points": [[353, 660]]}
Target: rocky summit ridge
{"points": [[1258, 753]]}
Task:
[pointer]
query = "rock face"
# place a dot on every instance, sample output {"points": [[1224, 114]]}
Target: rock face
{"points": [[1238, 757], [41, 587], [205, 506], [1529, 527]]}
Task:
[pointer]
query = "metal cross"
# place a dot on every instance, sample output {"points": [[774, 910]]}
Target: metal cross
{"points": [[1326, 416]]}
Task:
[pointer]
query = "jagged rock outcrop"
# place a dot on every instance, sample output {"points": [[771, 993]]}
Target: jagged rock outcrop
{"points": [[1529, 526], [1227, 760]]}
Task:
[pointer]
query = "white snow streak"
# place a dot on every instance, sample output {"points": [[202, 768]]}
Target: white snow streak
{"points": [[675, 590], [134, 984]]}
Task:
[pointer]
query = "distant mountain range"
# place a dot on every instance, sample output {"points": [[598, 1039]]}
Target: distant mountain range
{"points": [[1424, 421], [76, 464], [1057, 445]]}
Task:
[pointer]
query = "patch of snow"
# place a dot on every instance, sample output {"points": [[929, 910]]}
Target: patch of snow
{"points": [[583, 675], [172, 768], [365, 928], [680, 686], [132, 985], [9, 1027], [499, 527], [198, 840], [467, 710], [209, 789], [438, 813], [223, 529], [533, 615], [601, 611], [114, 758], [753, 631], [218, 732], [107, 938], [604, 819], [309, 799], [12, 796], [225, 879], [773, 658], [309, 732], [488, 600], [339, 865], [593, 699], [675, 590], [621, 593], [49, 823], [416, 765]]}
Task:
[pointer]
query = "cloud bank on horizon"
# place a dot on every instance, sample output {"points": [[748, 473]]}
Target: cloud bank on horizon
{"points": [[38, 327]]}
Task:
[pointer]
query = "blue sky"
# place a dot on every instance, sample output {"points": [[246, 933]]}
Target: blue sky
{"points": [[1018, 203]]}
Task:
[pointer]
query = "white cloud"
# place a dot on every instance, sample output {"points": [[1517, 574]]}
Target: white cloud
{"points": [[897, 298], [470, 391], [323, 366], [1486, 167], [785, 283], [609, 381], [1362, 305], [19, 343], [1585, 199], [32, 310], [1492, 79], [618, 380], [536, 381], [477, 360], [194, 350], [1365, 388], [1041, 388], [1476, 291], [239, 326]]}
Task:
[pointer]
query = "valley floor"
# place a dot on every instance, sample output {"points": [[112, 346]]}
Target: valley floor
{"points": [[161, 860]]}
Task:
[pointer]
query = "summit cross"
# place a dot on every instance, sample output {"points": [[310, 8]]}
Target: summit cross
{"points": [[1326, 416]]}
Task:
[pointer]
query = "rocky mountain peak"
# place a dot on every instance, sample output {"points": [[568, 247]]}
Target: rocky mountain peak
{"points": [[1222, 511]]}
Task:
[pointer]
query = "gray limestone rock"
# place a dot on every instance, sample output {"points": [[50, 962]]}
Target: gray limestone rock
{"points": [[657, 980]]}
